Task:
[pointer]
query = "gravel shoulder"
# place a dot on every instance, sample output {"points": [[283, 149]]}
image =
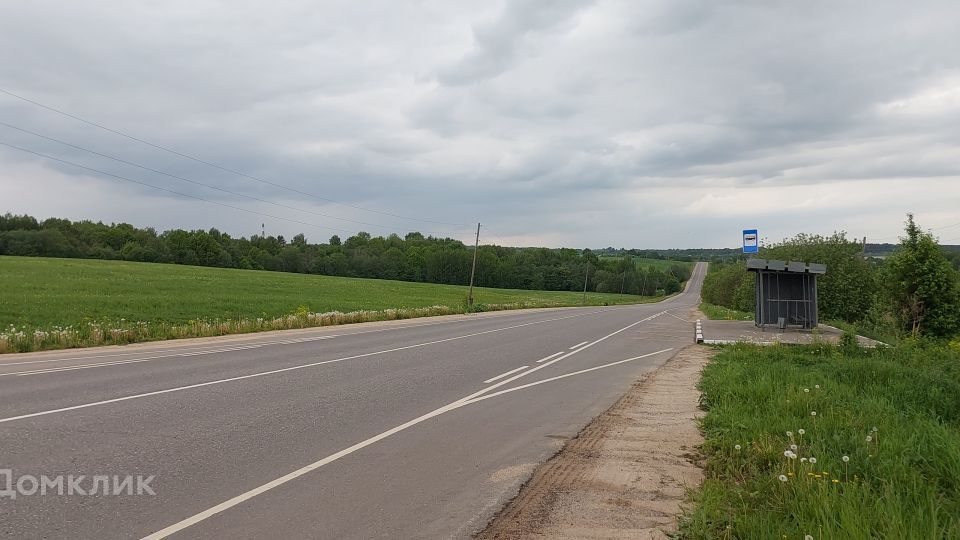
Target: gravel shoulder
{"points": [[627, 473]]}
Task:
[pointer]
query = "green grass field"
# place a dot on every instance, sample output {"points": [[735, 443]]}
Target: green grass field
{"points": [[876, 438], [43, 293], [658, 264]]}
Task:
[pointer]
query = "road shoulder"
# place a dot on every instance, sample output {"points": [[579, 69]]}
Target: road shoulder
{"points": [[626, 474]]}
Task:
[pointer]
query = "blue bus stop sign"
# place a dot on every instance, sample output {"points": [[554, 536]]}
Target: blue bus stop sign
{"points": [[750, 242]]}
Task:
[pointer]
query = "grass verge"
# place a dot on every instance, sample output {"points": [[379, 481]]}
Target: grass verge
{"points": [[51, 303], [720, 313], [814, 441]]}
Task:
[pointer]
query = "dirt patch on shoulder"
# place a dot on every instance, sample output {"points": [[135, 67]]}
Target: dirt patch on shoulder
{"points": [[626, 474]]}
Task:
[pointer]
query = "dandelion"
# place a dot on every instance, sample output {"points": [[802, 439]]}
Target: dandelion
{"points": [[736, 447], [801, 431], [817, 386], [835, 481], [869, 438], [803, 460], [783, 478], [808, 537], [793, 447], [846, 459], [789, 434], [874, 429], [813, 461], [806, 390], [813, 413]]}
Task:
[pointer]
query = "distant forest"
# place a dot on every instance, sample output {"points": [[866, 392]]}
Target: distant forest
{"points": [[413, 257]]}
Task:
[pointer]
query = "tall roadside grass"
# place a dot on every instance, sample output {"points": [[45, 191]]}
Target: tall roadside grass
{"points": [[122, 331], [720, 313], [825, 442]]}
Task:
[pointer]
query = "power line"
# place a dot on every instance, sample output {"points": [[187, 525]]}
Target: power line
{"points": [[146, 168], [216, 166], [946, 226], [126, 179]]}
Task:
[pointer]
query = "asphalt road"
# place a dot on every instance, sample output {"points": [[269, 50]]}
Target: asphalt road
{"points": [[408, 429]]}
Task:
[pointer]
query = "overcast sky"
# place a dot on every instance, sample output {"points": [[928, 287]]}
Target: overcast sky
{"points": [[554, 122]]}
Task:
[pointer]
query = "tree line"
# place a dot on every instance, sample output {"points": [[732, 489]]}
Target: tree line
{"points": [[914, 291], [413, 257]]}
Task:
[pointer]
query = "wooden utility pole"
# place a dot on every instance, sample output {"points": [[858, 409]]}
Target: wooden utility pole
{"points": [[585, 279], [473, 270]]}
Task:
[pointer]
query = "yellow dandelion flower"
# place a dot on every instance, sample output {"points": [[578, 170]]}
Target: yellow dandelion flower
{"points": [[835, 481], [825, 473], [818, 476]]}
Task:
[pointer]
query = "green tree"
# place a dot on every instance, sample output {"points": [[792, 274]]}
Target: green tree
{"points": [[922, 286]]}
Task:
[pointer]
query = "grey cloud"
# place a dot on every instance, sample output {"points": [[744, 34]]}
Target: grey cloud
{"points": [[578, 123]]}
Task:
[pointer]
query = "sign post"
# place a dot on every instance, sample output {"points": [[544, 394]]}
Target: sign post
{"points": [[750, 242]]}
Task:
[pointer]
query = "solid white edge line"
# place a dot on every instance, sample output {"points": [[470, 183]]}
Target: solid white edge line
{"points": [[565, 375], [275, 371], [578, 345], [230, 503], [502, 375], [197, 349]]}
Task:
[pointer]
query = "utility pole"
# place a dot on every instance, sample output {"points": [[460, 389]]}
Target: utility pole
{"points": [[585, 279], [473, 270], [863, 252], [263, 230], [623, 280]]}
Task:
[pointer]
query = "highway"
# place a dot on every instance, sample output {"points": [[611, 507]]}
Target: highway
{"points": [[408, 429]]}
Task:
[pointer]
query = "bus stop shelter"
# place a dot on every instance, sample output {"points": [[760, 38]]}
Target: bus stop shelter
{"points": [[786, 293]]}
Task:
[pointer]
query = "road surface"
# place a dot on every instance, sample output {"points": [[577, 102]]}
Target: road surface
{"points": [[408, 429]]}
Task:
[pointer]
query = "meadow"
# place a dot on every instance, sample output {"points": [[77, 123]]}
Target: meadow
{"points": [[823, 442], [662, 265], [51, 302]]}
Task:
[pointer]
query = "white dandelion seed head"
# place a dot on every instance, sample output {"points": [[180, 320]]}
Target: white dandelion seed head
{"points": [[803, 460], [801, 431], [807, 390], [869, 438], [783, 478], [789, 434], [793, 447], [846, 459], [813, 413], [808, 537], [817, 386], [813, 460], [736, 447], [874, 429]]}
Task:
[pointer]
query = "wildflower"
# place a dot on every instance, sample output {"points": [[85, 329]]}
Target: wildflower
{"points": [[846, 459], [790, 474], [803, 459], [801, 431], [736, 447], [869, 438], [783, 478], [817, 386], [789, 434], [835, 481], [874, 429], [813, 413], [813, 461], [806, 390], [825, 473], [808, 537], [793, 447]]}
